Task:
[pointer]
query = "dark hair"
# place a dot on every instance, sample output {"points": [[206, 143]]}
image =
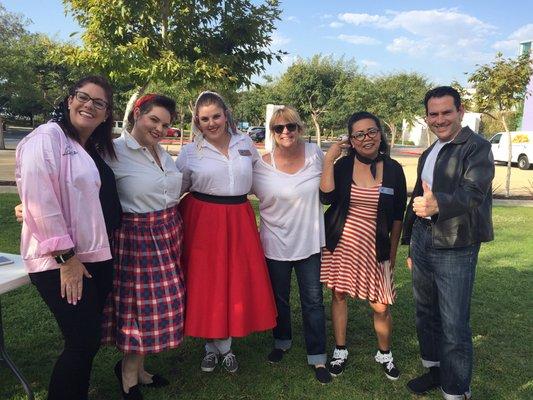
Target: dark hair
{"points": [[442, 91], [148, 101], [101, 139], [384, 144]]}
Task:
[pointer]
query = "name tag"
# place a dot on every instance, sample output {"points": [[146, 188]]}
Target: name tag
{"points": [[386, 190], [245, 152]]}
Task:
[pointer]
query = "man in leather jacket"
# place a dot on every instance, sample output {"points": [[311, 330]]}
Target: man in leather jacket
{"points": [[449, 215]]}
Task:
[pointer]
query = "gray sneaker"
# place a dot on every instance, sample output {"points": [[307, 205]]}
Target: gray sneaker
{"points": [[229, 362], [209, 362]]}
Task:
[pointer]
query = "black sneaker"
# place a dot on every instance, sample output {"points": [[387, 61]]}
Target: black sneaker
{"points": [[322, 375], [387, 362], [338, 361], [425, 383], [276, 355]]}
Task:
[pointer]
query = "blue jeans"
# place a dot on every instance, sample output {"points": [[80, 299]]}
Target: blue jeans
{"points": [[313, 315], [442, 283]]}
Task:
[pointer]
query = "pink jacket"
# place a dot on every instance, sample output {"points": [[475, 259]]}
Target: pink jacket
{"points": [[59, 185]]}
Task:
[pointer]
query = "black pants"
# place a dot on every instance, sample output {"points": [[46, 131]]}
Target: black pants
{"points": [[80, 325]]}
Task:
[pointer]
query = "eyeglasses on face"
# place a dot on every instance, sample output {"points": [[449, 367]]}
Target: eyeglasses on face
{"points": [[291, 127], [83, 97], [360, 135]]}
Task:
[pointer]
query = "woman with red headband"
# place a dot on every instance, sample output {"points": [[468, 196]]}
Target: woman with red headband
{"points": [[144, 315]]}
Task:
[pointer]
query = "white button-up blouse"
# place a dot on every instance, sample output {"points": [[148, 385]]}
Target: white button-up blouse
{"points": [[206, 170], [143, 186]]}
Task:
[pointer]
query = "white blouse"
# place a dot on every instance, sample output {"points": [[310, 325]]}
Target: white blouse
{"points": [[207, 170], [292, 217], [142, 185]]}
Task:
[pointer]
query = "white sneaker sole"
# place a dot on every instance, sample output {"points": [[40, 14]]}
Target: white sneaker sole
{"points": [[207, 369], [392, 378]]}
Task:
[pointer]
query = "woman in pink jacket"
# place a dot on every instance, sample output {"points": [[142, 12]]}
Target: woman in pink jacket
{"points": [[70, 206]]}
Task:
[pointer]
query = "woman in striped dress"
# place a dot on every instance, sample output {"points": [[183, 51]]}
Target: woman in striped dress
{"points": [[367, 193]]}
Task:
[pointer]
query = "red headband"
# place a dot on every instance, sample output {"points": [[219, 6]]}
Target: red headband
{"points": [[143, 99]]}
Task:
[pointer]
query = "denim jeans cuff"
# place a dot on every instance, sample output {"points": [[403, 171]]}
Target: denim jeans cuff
{"points": [[316, 359], [447, 396], [429, 364], [282, 344]]}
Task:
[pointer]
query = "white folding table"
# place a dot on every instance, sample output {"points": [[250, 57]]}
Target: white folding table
{"points": [[12, 276]]}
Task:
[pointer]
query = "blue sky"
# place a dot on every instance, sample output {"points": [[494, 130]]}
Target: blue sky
{"points": [[439, 39]]}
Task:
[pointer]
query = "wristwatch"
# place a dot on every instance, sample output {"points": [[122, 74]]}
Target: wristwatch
{"points": [[63, 258]]}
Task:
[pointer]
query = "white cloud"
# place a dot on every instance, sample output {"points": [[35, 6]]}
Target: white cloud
{"points": [[520, 35], [362, 40], [362, 19], [439, 23], [336, 24], [369, 63], [443, 33], [292, 18], [407, 46], [279, 40]]}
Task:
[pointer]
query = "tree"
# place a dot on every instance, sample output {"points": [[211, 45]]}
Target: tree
{"points": [[251, 104], [314, 86], [399, 97], [11, 28], [197, 41], [500, 86]]}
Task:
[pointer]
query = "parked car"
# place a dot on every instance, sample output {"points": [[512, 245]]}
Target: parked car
{"points": [[173, 132], [118, 126], [256, 133], [522, 148]]}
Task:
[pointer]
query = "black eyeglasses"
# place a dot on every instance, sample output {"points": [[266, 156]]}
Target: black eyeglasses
{"points": [[360, 135], [83, 97], [291, 127]]}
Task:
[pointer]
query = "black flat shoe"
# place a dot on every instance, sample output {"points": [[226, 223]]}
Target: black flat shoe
{"points": [[135, 392], [157, 382]]}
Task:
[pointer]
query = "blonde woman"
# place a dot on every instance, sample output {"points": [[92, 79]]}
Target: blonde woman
{"points": [[286, 181]]}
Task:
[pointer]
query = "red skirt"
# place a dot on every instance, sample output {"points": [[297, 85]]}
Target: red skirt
{"points": [[145, 311], [228, 286]]}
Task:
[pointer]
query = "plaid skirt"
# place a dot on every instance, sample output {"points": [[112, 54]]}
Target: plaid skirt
{"points": [[144, 313]]}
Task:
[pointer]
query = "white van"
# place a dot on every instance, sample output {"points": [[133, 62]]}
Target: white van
{"points": [[118, 126], [522, 148]]}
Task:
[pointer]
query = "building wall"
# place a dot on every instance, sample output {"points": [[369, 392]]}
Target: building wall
{"points": [[527, 116]]}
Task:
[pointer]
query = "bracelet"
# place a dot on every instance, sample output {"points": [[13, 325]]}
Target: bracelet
{"points": [[63, 258]]}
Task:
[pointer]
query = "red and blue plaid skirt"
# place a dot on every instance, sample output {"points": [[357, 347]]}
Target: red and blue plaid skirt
{"points": [[144, 313]]}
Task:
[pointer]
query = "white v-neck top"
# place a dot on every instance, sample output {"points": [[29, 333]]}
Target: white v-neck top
{"points": [[292, 218], [206, 170], [143, 186]]}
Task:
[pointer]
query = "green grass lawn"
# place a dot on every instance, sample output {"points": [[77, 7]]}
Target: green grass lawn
{"points": [[502, 323]]}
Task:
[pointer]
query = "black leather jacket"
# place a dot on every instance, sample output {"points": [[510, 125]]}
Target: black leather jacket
{"points": [[462, 185]]}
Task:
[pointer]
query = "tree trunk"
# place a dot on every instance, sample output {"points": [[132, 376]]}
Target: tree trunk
{"points": [[191, 109], [2, 143], [314, 116], [510, 148], [131, 102], [428, 136], [181, 125], [392, 129]]}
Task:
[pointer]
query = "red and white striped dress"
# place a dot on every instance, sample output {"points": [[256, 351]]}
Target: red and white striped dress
{"points": [[352, 267]]}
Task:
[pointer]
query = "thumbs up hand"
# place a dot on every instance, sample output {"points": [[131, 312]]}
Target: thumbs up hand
{"points": [[426, 205]]}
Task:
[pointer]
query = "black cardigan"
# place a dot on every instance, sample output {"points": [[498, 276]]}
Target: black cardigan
{"points": [[390, 206]]}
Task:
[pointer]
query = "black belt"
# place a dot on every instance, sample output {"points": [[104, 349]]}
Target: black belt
{"points": [[425, 221], [220, 199]]}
